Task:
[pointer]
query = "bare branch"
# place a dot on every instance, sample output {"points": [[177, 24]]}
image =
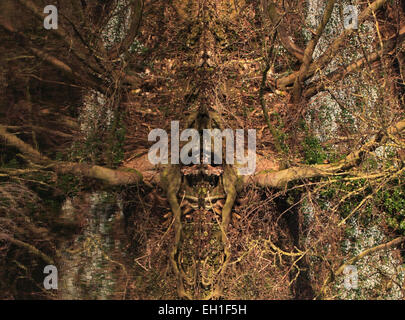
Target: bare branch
{"points": [[332, 49], [275, 19], [278, 179], [388, 46], [27, 246], [353, 260], [309, 50], [110, 176]]}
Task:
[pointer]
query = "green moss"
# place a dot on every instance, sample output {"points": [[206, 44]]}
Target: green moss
{"points": [[392, 202], [69, 184], [102, 146], [313, 151]]}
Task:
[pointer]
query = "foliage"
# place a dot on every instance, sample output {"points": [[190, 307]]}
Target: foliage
{"points": [[313, 151]]}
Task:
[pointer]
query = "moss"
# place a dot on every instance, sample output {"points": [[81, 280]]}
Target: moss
{"points": [[313, 151], [280, 135], [392, 202], [68, 184], [103, 145]]}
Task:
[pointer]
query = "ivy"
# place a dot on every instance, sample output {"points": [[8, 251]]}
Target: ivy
{"points": [[392, 202], [313, 151]]}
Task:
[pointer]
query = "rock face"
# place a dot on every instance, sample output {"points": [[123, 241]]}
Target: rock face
{"points": [[329, 112], [88, 269]]}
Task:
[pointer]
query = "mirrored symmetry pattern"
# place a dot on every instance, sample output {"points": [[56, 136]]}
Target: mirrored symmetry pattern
{"points": [[202, 149]]}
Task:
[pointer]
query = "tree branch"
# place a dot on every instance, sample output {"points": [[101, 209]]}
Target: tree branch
{"points": [[309, 50], [110, 176], [136, 16], [89, 79], [332, 49], [279, 179], [80, 52], [287, 43], [25, 148], [357, 258], [27, 246], [388, 45]]}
